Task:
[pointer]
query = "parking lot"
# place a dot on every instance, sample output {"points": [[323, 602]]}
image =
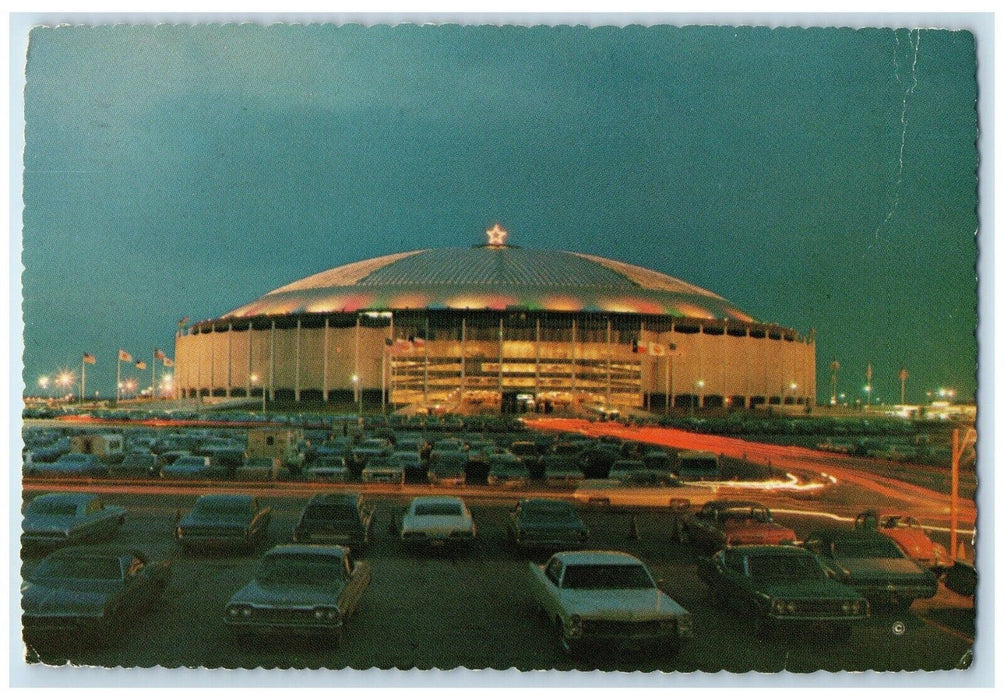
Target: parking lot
{"points": [[471, 609]]}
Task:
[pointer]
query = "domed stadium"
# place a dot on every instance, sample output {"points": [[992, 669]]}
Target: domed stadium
{"points": [[496, 327]]}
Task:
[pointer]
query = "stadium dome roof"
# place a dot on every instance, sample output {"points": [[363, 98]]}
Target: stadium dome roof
{"points": [[492, 277]]}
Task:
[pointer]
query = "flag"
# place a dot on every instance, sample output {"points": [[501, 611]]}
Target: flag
{"points": [[168, 362], [140, 365], [903, 374], [158, 354], [89, 358], [182, 322], [124, 356], [399, 345], [869, 372], [639, 348], [416, 341]]}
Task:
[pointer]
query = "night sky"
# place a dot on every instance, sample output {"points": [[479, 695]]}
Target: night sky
{"points": [[817, 178]]}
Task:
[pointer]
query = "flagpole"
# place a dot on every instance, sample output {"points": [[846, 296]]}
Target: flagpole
{"points": [[83, 380], [153, 375], [118, 379]]}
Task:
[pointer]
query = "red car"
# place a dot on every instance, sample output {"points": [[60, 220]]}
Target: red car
{"points": [[910, 535], [721, 524]]}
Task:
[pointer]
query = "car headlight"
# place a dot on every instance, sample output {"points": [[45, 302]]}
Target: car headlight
{"points": [[235, 611], [573, 628]]}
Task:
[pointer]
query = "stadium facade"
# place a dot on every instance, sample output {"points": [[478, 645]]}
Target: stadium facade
{"points": [[497, 327]]}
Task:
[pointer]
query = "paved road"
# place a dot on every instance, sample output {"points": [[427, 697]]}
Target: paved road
{"points": [[472, 609]]}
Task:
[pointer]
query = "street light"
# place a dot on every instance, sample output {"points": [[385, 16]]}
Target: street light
{"points": [[65, 379], [43, 384], [868, 391], [254, 380], [698, 385], [359, 393]]}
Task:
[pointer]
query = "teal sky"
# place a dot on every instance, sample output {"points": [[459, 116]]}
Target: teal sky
{"points": [[817, 178]]}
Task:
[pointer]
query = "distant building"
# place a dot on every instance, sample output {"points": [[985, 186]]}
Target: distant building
{"points": [[497, 327]]}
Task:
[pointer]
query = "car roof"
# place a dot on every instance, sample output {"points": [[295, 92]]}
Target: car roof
{"points": [[348, 497], [101, 550], [75, 498], [437, 499], [544, 502], [330, 550], [233, 497], [771, 549], [596, 557]]}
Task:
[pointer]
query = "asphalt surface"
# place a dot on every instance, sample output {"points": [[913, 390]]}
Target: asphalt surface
{"points": [[471, 609]]}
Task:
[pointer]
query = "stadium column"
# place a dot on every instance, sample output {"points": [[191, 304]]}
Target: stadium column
{"points": [[356, 380], [271, 363], [574, 334], [536, 364], [296, 381], [212, 360], [501, 344], [250, 351], [609, 331], [324, 370], [463, 356], [669, 369], [230, 356]]}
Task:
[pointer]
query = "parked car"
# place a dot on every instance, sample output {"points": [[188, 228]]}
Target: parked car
{"points": [[910, 535], [721, 524], [673, 494], [89, 593], [383, 470], [300, 589], [335, 518], [72, 464], [224, 521], [872, 564], [437, 520], [780, 585], [367, 450], [135, 465], [57, 519], [561, 470], [188, 467], [506, 469], [448, 468], [545, 523], [327, 468], [606, 599], [411, 464]]}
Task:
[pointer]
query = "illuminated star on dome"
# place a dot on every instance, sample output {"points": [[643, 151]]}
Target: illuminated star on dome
{"points": [[496, 235]]}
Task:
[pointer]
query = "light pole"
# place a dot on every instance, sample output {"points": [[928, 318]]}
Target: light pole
{"points": [[359, 393], [43, 384], [254, 380], [65, 379], [698, 385], [868, 392]]}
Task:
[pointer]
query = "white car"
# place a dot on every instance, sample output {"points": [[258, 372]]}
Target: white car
{"points": [[604, 599], [437, 520]]}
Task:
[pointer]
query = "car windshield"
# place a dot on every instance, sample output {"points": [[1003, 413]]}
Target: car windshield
{"points": [[559, 512], [437, 509], [84, 568], [770, 567], [301, 570], [756, 514], [43, 507], [340, 512], [867, 548], [221, 506], [606, 576]]}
